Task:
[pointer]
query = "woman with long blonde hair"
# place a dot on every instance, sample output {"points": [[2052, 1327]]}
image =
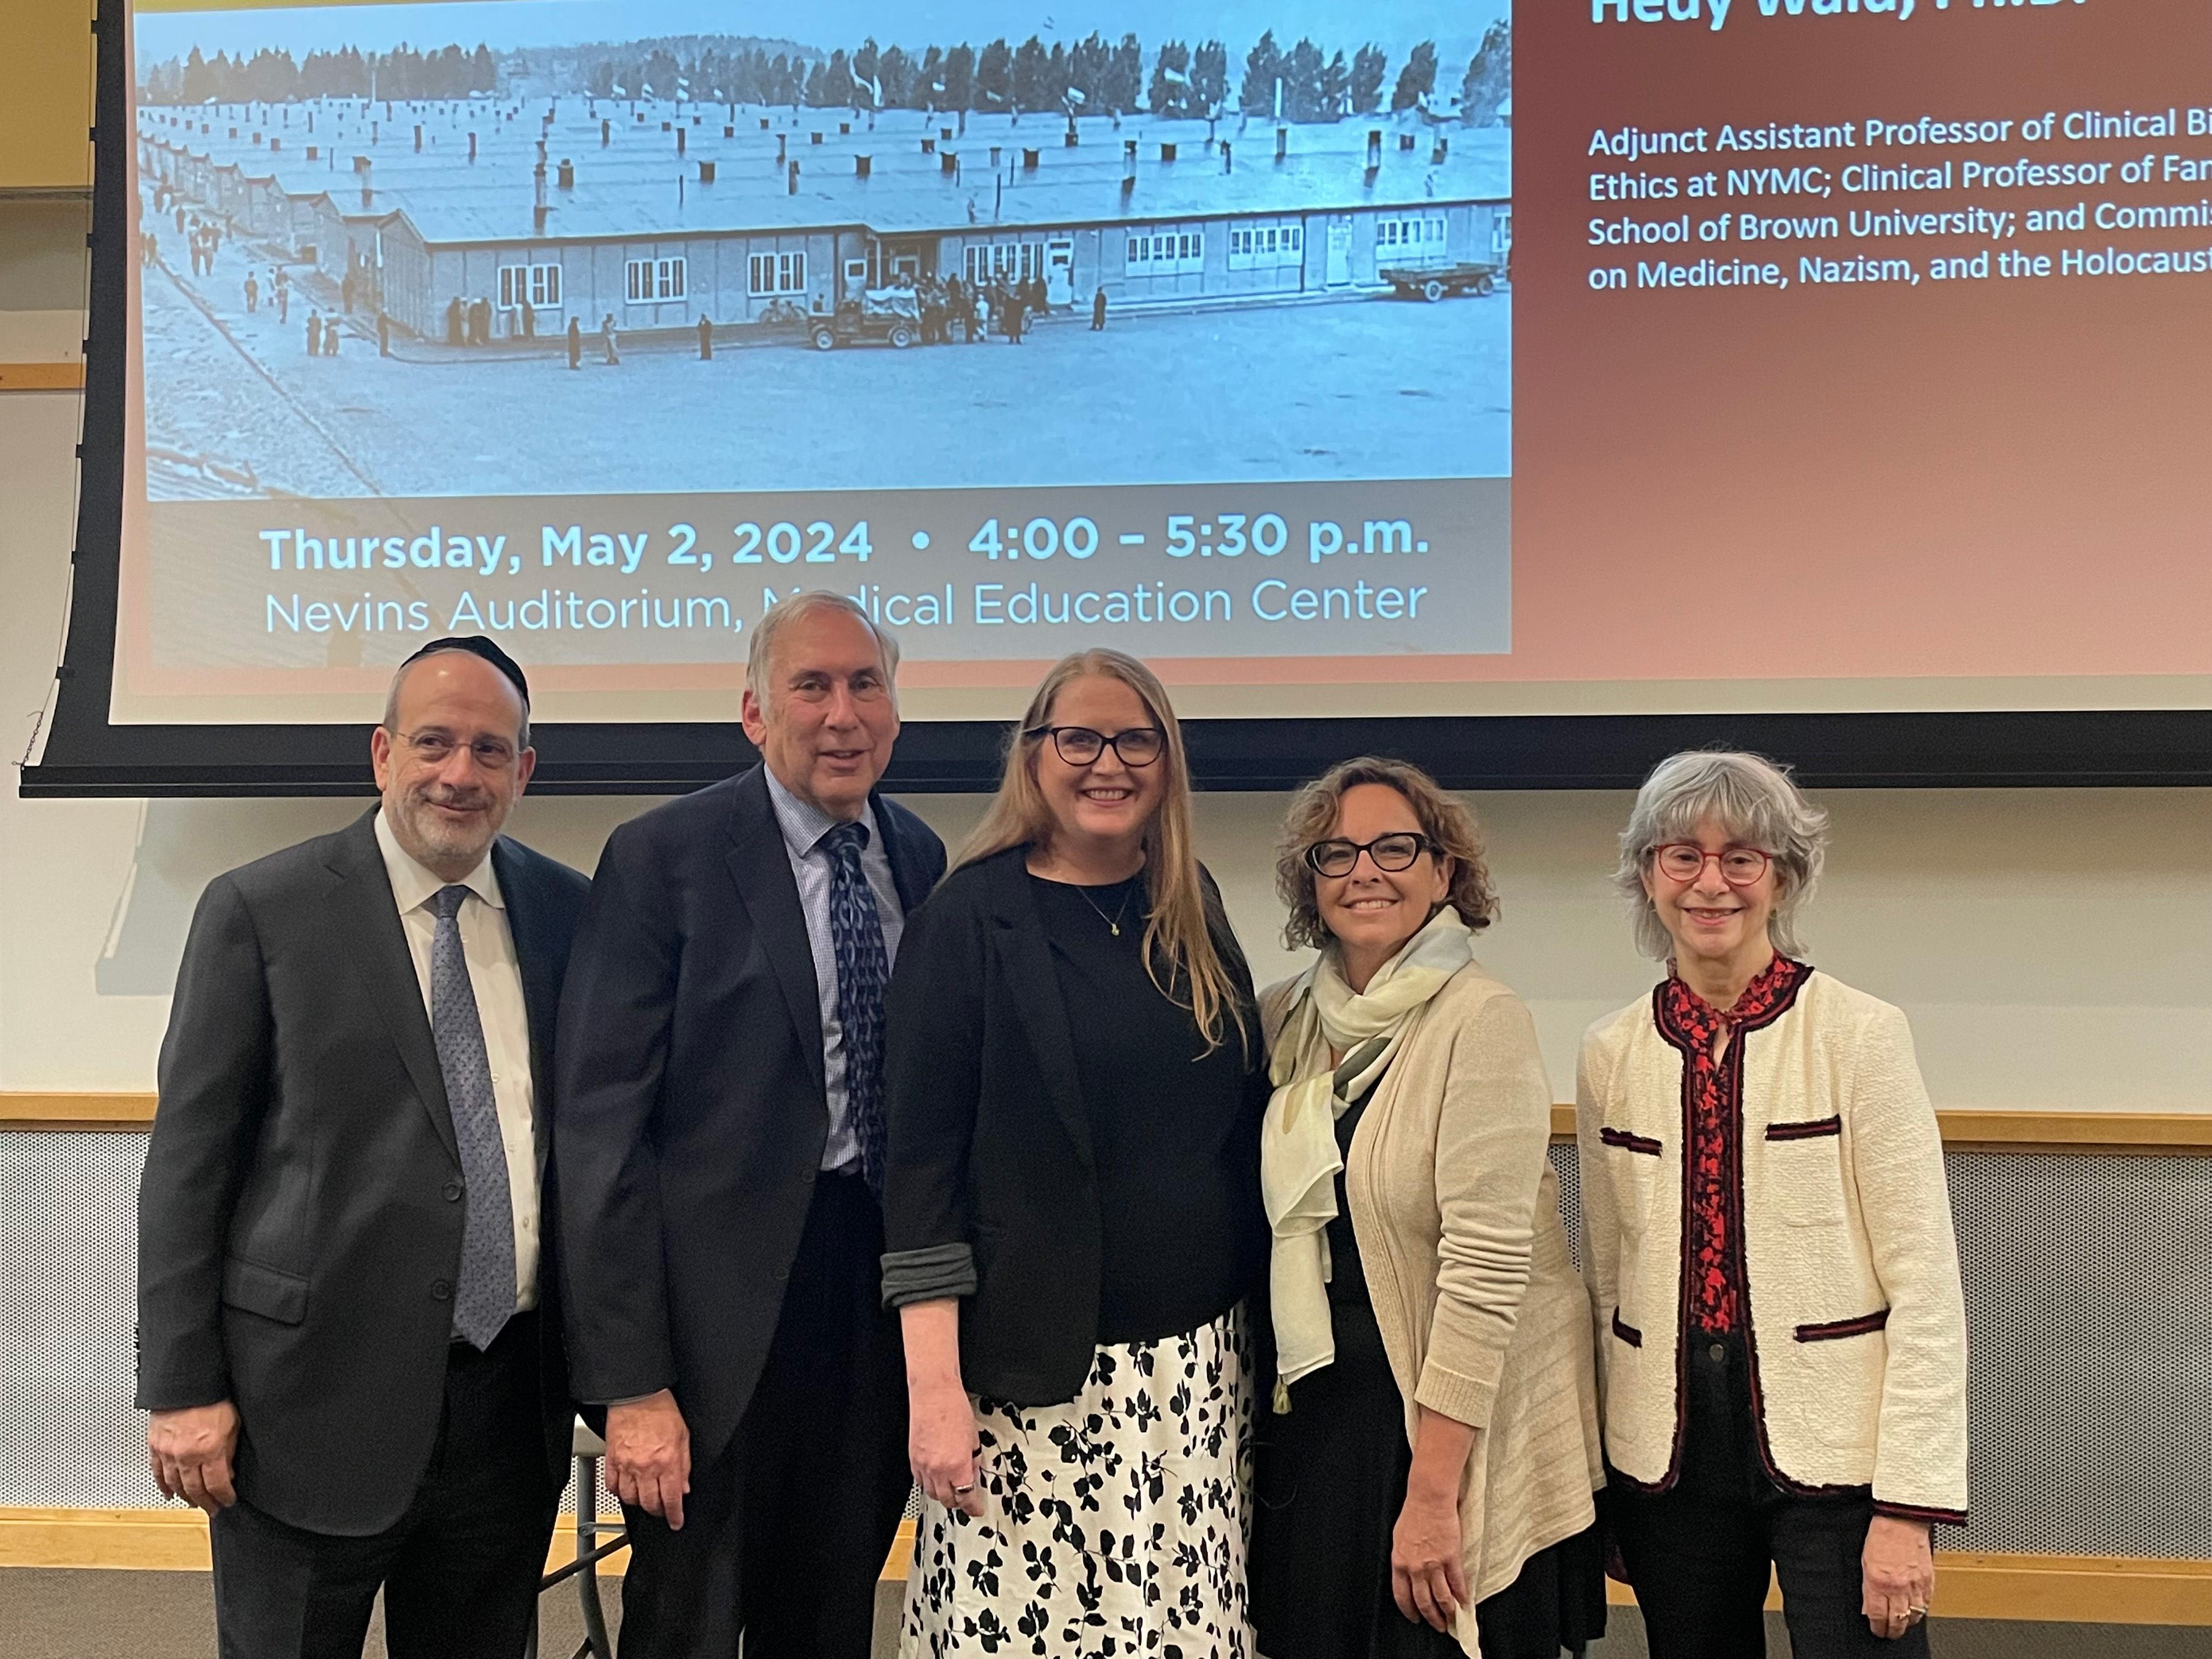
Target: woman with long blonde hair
{"points": [[1071, 1200]]}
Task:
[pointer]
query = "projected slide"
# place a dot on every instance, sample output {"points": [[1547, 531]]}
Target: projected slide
{"points": [[1286, 342]]}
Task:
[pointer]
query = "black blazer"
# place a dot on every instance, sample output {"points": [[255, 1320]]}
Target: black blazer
{"points": [[692, 1107], [990, 1136], [300, 1217]]}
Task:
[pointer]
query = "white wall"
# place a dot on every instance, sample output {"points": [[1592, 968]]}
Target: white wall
{"points": [[2053, 948]]}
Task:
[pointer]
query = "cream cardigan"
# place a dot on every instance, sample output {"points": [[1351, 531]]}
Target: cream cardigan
{"points": [[1456, 1210], [1857, 1328]]}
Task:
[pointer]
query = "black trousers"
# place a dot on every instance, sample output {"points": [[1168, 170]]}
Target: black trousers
{"points": [[785, 1533], [1698, 1554], [459, 1571]]}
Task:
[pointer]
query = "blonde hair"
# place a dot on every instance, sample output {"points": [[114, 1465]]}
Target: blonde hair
{"points": [[1450, 827], [1178, 927]]}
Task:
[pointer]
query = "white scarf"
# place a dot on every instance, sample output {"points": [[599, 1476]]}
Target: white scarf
{"points": [[1298, 1154]]}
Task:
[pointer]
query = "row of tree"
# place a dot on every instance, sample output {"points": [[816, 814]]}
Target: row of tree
{"points": [[1093, 76], [275, 77]]}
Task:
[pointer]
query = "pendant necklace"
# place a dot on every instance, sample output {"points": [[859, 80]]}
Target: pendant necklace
{"points": [[1113, 922]]}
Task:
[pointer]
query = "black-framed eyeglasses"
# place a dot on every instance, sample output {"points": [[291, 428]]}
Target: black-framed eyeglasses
{"points": [[436, 748], [1391, 853], [1079, 745], [1684, 861]]}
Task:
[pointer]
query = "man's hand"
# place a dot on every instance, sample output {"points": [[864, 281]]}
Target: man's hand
{"points": [[189, 1450], [1898, 1575], [649, 1456]]}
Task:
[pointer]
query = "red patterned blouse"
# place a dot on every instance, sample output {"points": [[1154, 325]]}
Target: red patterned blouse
{"points": [[1713, 1100]]}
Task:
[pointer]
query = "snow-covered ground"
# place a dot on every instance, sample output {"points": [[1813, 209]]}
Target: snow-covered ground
{"points": [[1371, 388]]}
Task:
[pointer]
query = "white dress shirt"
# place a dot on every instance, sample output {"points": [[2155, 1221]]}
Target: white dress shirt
{"points": [[803, 824], [496, 976]]}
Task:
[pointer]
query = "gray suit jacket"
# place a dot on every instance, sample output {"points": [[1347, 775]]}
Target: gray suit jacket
{"points": [[300, 1217]]}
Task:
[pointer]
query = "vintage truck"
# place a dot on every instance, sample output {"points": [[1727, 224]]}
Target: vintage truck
{"points": [[884, 316], [1436, 282]]}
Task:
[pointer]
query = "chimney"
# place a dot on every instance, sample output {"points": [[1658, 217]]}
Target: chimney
{"points": [[361, 164], [1070, 141], [944, 133], [1373, 148], [791, 188], [947, 162], [1030, 160], [1404, 141], [779, 141], [1225, 164], [1436, 156], [256, 138], [679, 141], [861, 165], [234, 133], [418, 137], [844, 129], [705, 172], [763, 121], [813, 137], [314, 152], [729, 132], [276, 144], [538, 211], [994, 154], [1167, 152], [567, 175], [929, 147], [668, 126], [606, 136], [472, 147], [368, 197], [1129, 154]]}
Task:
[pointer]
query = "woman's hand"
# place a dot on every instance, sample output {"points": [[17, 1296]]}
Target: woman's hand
{"points": [[941, 1442], [1897, 1574], [942, 1445], [1426, 1578]]}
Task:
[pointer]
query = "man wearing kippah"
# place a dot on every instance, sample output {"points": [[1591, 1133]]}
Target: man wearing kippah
{"points": [[346, 1336]]}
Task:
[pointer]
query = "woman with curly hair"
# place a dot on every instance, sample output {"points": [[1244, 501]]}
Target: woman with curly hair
{"points": [[1426, 1479]]}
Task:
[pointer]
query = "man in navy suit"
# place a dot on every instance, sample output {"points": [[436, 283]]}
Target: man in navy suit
{"points": [[348, 1335], [719, 1156]]}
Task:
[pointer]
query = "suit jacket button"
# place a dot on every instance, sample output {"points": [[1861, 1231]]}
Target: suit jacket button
{"points": [[809, 1177], [453, 1192], [439, 1290]]}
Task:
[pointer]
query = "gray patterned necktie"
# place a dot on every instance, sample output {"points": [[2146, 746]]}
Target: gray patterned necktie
{"points": [[485, 1295]]}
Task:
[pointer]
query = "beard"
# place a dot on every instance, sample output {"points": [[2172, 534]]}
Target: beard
{"points": [[436, 837]]}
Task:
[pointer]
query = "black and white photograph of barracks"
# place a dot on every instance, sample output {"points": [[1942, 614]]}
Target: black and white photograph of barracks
{"points": [[724, 262]]}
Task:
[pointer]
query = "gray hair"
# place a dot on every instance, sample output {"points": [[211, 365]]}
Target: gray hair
{"points": [[390, 722], [762, 650], [1754, 802]]}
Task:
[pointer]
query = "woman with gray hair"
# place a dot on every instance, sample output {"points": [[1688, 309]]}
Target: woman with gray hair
{"points": [[1767, 1241]]}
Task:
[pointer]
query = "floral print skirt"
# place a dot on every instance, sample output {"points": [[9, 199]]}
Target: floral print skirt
{"points": [[1114, 1523]]}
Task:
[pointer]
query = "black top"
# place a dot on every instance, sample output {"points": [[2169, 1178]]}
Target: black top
{"points": [[1164, 1116], [996, 1186]]}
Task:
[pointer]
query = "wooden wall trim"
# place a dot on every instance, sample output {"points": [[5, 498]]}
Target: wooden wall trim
{"points": [[42, 376], [1963, 1131], [2064, 1588]]}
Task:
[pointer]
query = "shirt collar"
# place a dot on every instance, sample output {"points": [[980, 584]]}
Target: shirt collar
{"points": [[802, 823], [413, 885]]}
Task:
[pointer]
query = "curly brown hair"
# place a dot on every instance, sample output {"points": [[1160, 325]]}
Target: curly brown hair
{"points": [[1450, 827]]}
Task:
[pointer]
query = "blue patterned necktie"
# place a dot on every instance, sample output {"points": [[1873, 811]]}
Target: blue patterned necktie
{"points": [[856, 935], [485, 1295]]}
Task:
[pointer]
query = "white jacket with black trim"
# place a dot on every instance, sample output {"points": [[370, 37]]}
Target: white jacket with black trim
{"points": [[1857, 1331]]}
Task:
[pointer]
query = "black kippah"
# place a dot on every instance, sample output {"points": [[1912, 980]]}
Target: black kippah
{"points": [[477, 646]]}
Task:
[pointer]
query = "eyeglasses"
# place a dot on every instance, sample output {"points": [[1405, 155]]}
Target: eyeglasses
{"points": [[1684, 861], [436, 748], [1079, 745], [1391, 853]]}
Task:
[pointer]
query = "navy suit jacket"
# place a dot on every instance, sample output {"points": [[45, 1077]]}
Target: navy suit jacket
{"points": [[692, 1108]]}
